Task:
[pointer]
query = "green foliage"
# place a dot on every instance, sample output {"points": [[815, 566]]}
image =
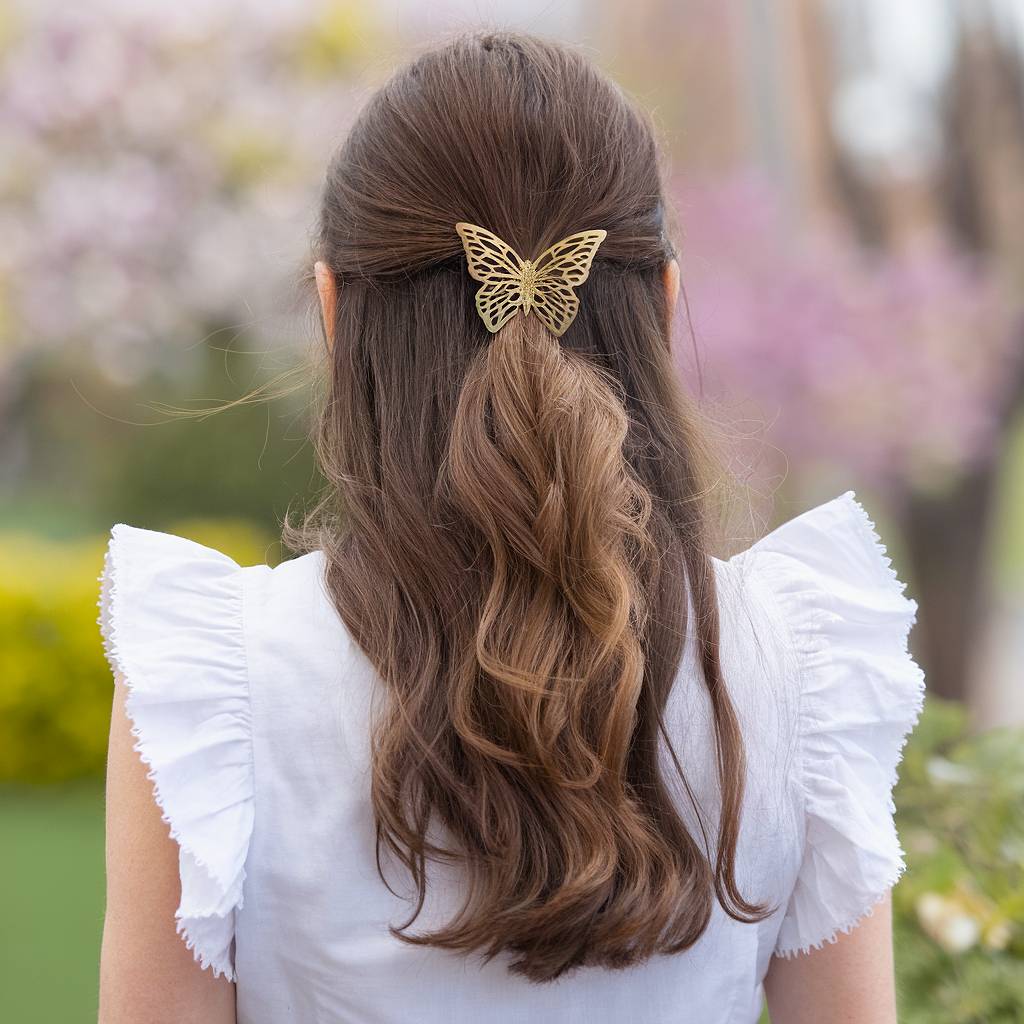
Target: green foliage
{"points": [[144, 453], [959, 910], [55, 685]]}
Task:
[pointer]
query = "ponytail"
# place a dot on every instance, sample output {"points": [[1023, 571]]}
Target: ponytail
{"points": [[536, 465], [570, 855]]}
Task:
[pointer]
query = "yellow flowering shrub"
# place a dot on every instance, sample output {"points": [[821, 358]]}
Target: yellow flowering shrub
{"points": [[55, 684]]}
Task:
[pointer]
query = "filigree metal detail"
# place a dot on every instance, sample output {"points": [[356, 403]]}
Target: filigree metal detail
{"points": [[544, 285]]}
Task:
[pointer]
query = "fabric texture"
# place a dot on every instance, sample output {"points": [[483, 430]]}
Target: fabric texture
{"points": [[252, 708], [171, 618], [860, 694]]}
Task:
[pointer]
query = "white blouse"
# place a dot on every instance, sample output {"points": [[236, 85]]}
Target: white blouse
{"points": [[251, 705]]}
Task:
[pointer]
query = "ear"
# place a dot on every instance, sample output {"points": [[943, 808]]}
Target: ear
{"points": [[670, 277], [328, 291]]}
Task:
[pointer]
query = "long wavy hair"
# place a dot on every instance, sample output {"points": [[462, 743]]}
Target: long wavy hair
{"points": [[513, 522]]}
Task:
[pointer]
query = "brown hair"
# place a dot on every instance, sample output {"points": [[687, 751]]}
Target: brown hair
{"points": [[512, 522]]}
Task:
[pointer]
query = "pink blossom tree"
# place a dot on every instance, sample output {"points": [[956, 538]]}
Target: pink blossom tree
{"points": [[160, 170], [894, 371]]}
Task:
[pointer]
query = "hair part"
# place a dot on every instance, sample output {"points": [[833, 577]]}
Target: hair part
{"points": [[514, 524]]}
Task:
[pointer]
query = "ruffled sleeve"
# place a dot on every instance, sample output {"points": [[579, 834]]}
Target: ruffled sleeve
{"points": [[171, 620], [860, 696]]}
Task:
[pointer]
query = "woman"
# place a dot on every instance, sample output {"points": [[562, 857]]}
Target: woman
{"points": [[507, 743]]}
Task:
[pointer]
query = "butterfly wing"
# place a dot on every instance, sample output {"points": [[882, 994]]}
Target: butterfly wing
{"points": [[560, 269], [570, 259], [489, 258], [556, 304], [499, 267], [497, 302]]}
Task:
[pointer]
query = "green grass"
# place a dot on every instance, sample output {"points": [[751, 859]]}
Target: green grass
{"points": [[51, 863]]}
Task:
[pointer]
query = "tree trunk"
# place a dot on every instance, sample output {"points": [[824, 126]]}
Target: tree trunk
{"points": [[946, 539]]}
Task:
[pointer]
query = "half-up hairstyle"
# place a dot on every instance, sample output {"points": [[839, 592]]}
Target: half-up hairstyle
{"points": [[513, 521]]}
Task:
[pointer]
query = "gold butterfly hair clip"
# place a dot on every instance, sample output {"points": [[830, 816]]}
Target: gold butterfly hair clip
{"points": [[544, 286]]}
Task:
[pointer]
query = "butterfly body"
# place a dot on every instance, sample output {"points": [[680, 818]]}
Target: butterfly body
{"points": [[529, 284], [510, 283]]}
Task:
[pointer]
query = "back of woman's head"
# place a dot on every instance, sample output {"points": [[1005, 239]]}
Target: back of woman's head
{"points": [[514, 521]]}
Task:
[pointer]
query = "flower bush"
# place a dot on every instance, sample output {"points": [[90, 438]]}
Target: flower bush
{"points": [[54, 684]]}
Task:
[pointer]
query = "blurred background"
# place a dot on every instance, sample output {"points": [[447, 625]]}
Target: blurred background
{"points": [[847, 181]]}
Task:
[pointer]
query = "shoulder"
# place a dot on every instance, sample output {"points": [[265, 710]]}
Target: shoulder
{"points": [[825, 567], [821, 588], [160, 584], [833, 544], [173, 618], [826, 588]]}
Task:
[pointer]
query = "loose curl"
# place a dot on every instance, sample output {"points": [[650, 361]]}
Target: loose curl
{"points": [[513, 523]]}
